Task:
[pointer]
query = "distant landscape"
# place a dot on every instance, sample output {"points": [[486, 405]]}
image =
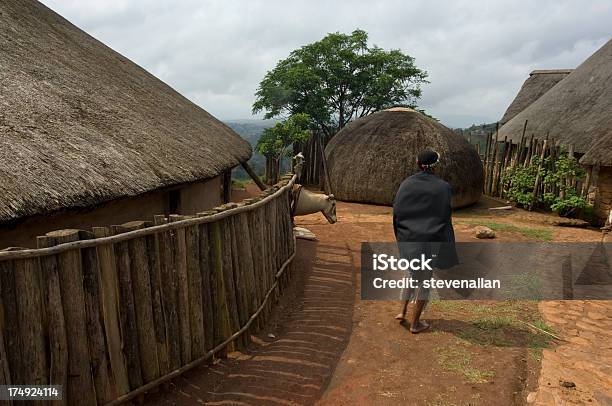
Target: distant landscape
{"points": [[251, 130]]}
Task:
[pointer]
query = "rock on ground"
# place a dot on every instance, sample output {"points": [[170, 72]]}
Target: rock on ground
{"points": [[483, 232]]}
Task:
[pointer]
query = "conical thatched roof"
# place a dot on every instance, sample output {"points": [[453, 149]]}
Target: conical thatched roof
{"points": [[578, 110], [538, 83], [368, 159], [80, 124], [600, 153]]}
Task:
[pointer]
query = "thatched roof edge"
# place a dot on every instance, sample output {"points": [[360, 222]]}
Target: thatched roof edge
{"points": [[538, 83], [576, 111]]}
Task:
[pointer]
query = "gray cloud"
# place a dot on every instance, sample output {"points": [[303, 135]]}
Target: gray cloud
{"points": [[477, 53]]}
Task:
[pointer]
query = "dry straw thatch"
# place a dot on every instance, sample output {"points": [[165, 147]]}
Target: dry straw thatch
{"points": [[578, 110], [80, 124], [369, 158], [600, 153], [538, 83]]}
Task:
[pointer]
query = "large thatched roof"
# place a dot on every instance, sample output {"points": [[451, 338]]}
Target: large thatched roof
{"points": [[80, 124], [368, 159], [600, 153], [538, 83], [577, 110]]}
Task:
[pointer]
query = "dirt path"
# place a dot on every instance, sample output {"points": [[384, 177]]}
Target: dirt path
{"points": [[327, 346], [292, 360], [385, 364]]}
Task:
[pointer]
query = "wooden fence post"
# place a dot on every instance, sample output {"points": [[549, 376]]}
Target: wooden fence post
{"points": [[255, 238], [206, 268], [194, 279], [98, 353], [219, 298], [154, 249], [239, 278], [80, 387], [110, 312], [228, 274], [180, 262], [56, 326], [169, 292], [127, 311], [141, 286], [10, 324], [29, 295]]}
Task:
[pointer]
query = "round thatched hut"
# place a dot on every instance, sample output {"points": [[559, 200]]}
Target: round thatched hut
{"points": [[368, 159]]}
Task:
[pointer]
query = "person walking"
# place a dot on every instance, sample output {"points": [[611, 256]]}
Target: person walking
{"points": [[421, 221]]}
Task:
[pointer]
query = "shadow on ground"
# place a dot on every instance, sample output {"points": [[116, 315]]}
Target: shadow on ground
{"points": [[311, 326]]}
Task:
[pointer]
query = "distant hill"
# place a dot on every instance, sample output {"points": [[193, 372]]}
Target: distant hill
{"points": [[477, 134], [250, 130]]}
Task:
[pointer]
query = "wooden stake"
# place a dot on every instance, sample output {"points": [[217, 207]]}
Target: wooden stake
{"points": [[80, 388], [56, 326]]}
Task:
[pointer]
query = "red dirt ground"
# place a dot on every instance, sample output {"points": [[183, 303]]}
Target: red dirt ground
{"points": [[326, 346]]}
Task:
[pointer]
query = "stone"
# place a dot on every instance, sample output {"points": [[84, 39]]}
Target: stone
{"points": [[483, 232], [567, 384], [531, 397]]}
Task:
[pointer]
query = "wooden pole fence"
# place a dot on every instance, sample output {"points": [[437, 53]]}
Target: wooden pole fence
{"points": [[114, 312]]}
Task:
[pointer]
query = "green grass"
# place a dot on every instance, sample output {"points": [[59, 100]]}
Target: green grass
{"points": [[536, 353], [535, 233], [496, 324], [239, 183], [542, 325], [458, 359]]}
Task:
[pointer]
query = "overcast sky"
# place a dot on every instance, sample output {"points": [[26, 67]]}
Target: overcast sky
{"points": [[477, 53]]}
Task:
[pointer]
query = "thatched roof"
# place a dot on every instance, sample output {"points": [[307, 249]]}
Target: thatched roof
{"points": [[577, 110], [81, 125], [600, 153], [368, 159], [538, 83]]}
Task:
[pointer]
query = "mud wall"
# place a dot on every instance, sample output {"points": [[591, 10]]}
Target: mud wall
{"points": [[183, 199]]}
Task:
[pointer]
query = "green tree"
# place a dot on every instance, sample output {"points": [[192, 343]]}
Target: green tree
{"points": [[338, 79], [276, 142]]}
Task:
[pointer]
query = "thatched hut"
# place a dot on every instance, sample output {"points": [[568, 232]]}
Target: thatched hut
{"points": [[598, 160], [577, 110], [88, 137], [538, 83], [368, 159]]}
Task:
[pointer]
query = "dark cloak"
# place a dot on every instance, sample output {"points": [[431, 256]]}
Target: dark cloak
{"points": [[422, 214]]}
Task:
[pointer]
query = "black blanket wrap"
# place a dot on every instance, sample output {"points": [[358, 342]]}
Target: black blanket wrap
{"points": [[422, 217]]}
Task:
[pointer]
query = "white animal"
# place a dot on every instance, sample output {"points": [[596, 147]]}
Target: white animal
{"points": [[307, 202]]}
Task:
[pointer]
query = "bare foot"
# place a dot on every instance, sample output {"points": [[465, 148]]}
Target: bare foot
{"points": [[400, 316], [419, 327]]}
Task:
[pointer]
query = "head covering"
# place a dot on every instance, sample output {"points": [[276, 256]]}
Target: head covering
{"points": [[428, 159]]}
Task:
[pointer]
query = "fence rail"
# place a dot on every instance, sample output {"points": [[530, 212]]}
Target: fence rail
{"points": [[113, 312]]}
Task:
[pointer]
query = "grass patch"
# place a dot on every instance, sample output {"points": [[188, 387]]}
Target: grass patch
{"points": [[535, 233], [499, 324], [543, 326], [536, 354], [494, 322], [458, 360], [239, 183]]}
